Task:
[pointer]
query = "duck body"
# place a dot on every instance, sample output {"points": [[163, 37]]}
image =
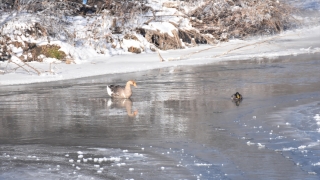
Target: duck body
{"points": [[124, 92], [237, 96]]}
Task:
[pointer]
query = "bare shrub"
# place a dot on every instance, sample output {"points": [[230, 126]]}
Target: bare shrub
{"points": [[134, 50], [228, 18]]}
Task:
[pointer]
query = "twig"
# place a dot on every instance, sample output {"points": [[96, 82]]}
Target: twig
{"points": [[50, 68], [31, 67], [240, 47], [1, 71], [20, 66], [7, 66], [225, 53], [190, 54], [161, 59]]}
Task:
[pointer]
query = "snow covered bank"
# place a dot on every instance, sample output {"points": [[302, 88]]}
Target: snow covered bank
{"points": [[126, 36], [288, 43]]}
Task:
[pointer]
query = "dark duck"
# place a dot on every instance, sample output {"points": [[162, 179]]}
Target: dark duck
{"points": [[236, 97]]}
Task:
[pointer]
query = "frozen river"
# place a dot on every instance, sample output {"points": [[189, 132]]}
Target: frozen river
{"points": [[179, 124]]}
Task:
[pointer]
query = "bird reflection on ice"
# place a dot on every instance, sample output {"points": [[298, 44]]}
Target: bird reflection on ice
{"points": [[122, 103], [237, 101]]}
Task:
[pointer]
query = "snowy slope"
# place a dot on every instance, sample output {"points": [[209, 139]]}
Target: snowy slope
{"points": [[93, 56]]}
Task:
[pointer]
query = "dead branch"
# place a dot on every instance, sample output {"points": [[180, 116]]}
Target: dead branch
{"points": [[31, 67], [19, 66], [247, 45], [190, 54], [225, 53]]}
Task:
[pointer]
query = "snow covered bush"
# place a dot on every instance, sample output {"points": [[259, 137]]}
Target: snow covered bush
{"points": [[116, 27]]}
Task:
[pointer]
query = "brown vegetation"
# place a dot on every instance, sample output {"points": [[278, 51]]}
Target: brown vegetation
{"points": [[238, 18], [31, 51]]}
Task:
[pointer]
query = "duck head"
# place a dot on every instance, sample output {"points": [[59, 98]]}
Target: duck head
{"points": [[238, 95]]}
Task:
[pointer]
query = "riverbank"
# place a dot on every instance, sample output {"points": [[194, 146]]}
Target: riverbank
{"points": [[295, 42]]}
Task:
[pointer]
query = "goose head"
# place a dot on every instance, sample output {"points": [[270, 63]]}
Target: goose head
{"points": [[133, 83]]}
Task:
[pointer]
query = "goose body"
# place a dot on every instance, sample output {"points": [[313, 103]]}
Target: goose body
{"points": [[237, 96], [117, 91]]}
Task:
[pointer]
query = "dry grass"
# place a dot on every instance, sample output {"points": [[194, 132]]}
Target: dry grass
{"points": [[220, 20], [230, 18]]}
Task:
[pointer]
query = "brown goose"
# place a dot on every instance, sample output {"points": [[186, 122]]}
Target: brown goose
{"points": [[117, 91]]}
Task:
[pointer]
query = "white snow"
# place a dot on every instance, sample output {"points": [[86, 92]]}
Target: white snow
{"points": [[302, 147], [121, 164], [316, 164], [317, 117], [203, 164], [261, 145], [289, 149], [163, 27], [80, 152], [138, 155], [250, 143], [116, 159]]}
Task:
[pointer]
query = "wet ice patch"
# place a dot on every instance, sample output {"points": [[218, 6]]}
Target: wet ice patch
{"points": [[65, 162], [299, 138], [90, 163]]}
